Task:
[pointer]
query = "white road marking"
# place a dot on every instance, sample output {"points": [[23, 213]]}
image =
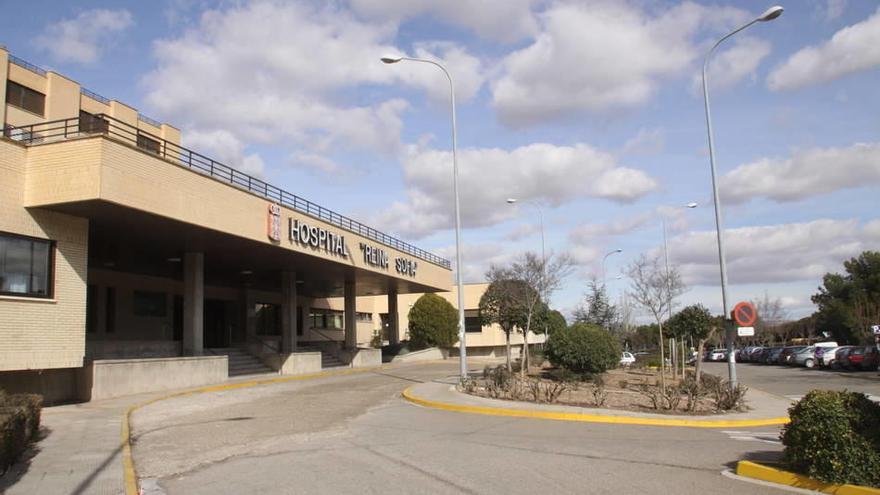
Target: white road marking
{"points": [[754, 436]]}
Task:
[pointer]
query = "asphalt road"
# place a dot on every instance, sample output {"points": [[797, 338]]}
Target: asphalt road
{"points": [[795, 382], [354, 434]]}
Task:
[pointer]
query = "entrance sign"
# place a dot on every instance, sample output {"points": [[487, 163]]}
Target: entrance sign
{"points": [[318, 238], [745, 331], [405, 266], [745, 314], [273, 222], [374, 256]]}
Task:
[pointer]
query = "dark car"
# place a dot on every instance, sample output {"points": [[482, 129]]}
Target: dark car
{"points": [[773, 357], [841, 357], [872, 358], [764, 355], [788, 352], [855, 358]]}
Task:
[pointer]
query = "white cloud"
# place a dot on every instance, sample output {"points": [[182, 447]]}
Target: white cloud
{"points": [[283, 73], [476, 258], [734, 64], [807, 173], [541, 172], [832, 9], [599, 56], [853, 49], [81, 39], [501, 20], [645, 142], [773, 253], [227, 149]]}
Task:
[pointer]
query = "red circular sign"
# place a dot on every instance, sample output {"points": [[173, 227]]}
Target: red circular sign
{"points": [[745, 314]]}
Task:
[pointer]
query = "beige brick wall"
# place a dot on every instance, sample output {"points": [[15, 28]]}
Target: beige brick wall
{"points": [[36, 333]]}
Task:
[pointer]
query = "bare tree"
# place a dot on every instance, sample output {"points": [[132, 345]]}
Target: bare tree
{"points": [[653, 287], [771, 316], [539, 279]]}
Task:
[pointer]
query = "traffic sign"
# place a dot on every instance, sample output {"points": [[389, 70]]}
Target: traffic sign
{"points": [[745, 314], [745, 331], [875, 329]]}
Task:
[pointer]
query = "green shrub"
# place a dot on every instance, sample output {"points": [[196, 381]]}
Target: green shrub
{"points": [[584, 348], [835, 437], [433, 322], [19, 424]]}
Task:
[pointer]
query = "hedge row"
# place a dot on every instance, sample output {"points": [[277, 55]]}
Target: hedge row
{"points": [[835, 437], [19, 424]]}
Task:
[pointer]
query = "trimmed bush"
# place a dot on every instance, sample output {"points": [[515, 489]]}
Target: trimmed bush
{"points": [[19, 424], [835, 437], [433, 322], [584, 348]]}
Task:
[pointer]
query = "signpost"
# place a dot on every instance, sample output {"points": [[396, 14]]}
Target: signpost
{"points": [[745, 315]]}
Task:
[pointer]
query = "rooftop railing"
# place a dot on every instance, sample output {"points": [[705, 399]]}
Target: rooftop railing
{"points": [[152, 122], [59, 130], [27, 65], [94, 96]]}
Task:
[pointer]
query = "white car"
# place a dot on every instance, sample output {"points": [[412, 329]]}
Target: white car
{"points": [[717, 355], [627, 359]]}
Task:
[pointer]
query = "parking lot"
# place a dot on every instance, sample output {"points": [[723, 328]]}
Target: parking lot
{"points": [[794, 382]]}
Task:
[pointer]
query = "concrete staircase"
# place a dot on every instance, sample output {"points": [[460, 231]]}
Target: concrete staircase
{"points": [[328, 360], [241, 363]]}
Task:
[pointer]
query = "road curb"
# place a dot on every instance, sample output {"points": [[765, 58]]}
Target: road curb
{"points": [[762, 472], [591, 418], [128, 469]]}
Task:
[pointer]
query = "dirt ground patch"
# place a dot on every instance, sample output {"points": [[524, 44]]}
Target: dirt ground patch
{"points": [[631, 389]]}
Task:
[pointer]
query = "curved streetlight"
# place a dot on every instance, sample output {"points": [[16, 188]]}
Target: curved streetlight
{"points": [[768, 15], [603, 264], [540, 209], [458, 265]]}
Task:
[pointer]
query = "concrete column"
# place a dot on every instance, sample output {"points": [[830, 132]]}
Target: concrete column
{"points": [[393, 318], [350, 315], [288, 312], [193, 303], [306, 303]]}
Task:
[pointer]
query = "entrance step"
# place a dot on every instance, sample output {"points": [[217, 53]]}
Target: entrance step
{"points": [[328, 360], [241, 363]]}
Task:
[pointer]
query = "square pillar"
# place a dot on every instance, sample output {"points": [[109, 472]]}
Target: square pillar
{"points": [[288, 312], [393, 318], [306, 304], [193, 303], [350, 315]]}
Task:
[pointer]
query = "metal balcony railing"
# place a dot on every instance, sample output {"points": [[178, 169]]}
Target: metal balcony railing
{"points": [[27, 65], [59, 130]]}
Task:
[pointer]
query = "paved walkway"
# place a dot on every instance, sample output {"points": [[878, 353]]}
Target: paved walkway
{"points": [[763, 407]]}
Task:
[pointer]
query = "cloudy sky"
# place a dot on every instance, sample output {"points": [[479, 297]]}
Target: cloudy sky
{"points": [[590, 111]]}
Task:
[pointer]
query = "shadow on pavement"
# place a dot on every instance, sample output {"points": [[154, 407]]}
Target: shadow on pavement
{"points": [[17, 470]]}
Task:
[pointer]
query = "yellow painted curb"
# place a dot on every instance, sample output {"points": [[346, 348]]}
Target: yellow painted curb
{"points": [[128, 470], [592, 418], [766, 473]]}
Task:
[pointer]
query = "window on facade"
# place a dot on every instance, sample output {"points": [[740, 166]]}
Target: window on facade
{"points": [[148, 144], [92, 124], [365, 317], [25, 266], [91, 308], [145, 303], [25, 98], [268, 319], [386, 321], [472, 322], [327, 318]]}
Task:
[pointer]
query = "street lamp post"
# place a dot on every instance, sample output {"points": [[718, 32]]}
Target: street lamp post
{"points": [[768, 15], [458, 265], [540, 209], [604, 289], [669, 282]]}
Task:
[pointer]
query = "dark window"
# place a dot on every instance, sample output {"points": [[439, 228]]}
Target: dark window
{"points": [[110, 310], [299, 320], [91, 308], [26, 266], [268, 319], [148, 144], [365, 317], [25, 98], [177, 318], [146, 303], [327, 318], [91, 124], [472, 322]]}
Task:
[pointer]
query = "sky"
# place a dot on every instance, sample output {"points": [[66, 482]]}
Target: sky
{"points": [[589, 113]]}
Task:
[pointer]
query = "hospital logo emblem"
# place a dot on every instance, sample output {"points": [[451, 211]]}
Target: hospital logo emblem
{"points": [[273, 222]]}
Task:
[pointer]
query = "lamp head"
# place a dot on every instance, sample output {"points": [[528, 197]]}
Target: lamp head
{"points": [[691, 205], [391, 60], [771, 13], [511, 201], [618, 250]]}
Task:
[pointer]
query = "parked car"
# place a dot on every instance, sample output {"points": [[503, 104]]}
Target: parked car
{"points": [[717, 355], [855, 358], [872, 358], [841, 357], [764, 355], [805, 357], [627, 359], [773, 356], [788, 352], [755, 354]]}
